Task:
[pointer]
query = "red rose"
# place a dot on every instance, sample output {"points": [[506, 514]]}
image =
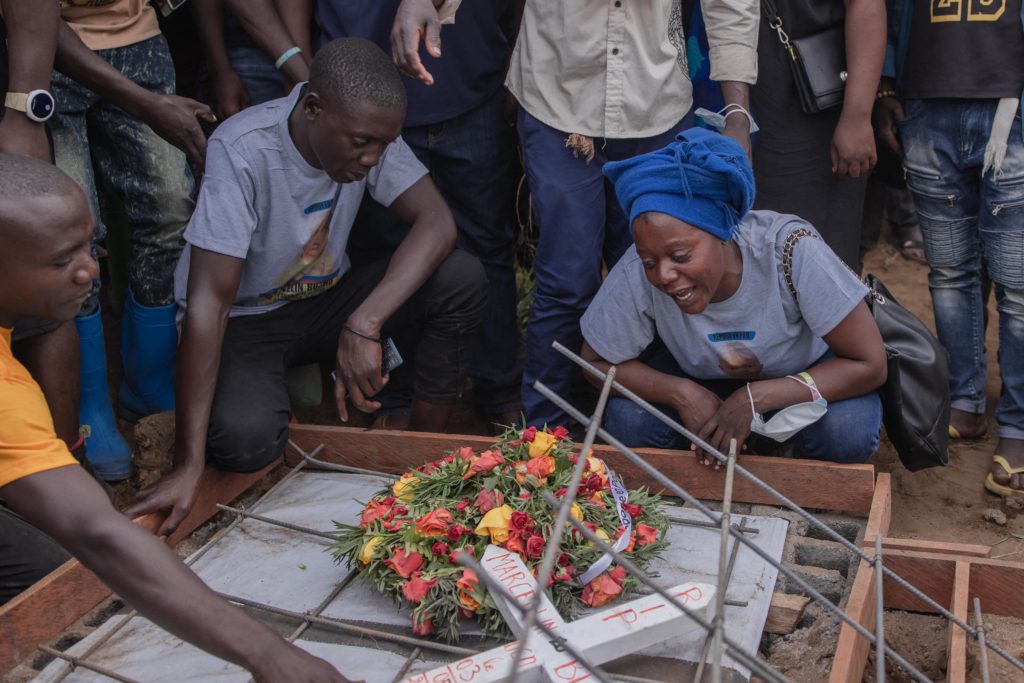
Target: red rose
{"points": [[456, 531], [434, 523], [525, 495], [463, 504], [515, 544], [416, 588], [520, 521], [529, 434], [535, 547], [488, 500], [645, 535], [564, 560], [573, 458], [374, 510], [395, 524], [468, 549], [439, 548], [487, 461], [619, 574], [634, 510], [565, 574], [404, 564], [465, 453], [560, 493], [423, 626], [600, 591], [448, 459], [560, 432], [541, 466]]}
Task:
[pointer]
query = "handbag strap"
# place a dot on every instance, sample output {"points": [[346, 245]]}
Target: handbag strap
{"points": [[787, 264], [771, 12]]}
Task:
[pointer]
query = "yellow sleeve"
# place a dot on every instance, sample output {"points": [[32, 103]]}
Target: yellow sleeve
{"points": [[28, 442]]}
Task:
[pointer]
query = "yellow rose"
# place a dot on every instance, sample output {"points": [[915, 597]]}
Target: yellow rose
{"points": [[602, 535], [596, 465], [404, 486], [576, 513], [366, 554], [541, 444], [495, 523]]}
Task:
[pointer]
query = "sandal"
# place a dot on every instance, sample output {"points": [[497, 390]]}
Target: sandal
{"points": [[1001, 489], [910, 243]]}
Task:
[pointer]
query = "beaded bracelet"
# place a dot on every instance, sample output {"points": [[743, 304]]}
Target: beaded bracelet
{"points": [[885, 93]]}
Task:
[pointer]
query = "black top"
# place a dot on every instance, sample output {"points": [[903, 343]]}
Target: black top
{"points": [[965, 49]]}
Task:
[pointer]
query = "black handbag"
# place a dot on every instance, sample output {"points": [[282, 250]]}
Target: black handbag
{"points": [[915, 396], [818, 62]]}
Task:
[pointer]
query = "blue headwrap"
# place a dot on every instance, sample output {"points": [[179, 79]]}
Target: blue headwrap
{"points": [[703, 178]]}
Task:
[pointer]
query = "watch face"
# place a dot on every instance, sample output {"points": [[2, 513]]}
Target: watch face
{"points": [[41, 106]]}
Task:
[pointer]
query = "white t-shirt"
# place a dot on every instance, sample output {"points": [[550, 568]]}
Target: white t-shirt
{"points": [[760, 331], [262, 202]]}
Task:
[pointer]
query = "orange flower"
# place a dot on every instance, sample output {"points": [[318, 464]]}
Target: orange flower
{"points": [[539, 467], [434, 523], [404, 564], [422, 625], [487, 461], [632, 538], [374, 510], [416, 588], [600, 591], [515, 544], [467, 585], [645, 535]]}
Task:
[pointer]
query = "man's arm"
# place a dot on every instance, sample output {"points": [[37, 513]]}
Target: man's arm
{"points": [[296, 16], [430, 240], [31, 43], [171, 117], [732, 29], [212, 284], [853, 144], [261, 21], [229, 91], [69, 506]]}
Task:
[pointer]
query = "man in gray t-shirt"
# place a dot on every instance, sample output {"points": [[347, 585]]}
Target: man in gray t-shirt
{"points": [[266, 282]]}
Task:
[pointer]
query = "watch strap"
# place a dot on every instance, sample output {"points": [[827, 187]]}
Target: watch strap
{"points": [[18, 101]]}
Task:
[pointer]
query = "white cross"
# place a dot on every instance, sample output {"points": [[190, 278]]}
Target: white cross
{"points": [[600, 637]]}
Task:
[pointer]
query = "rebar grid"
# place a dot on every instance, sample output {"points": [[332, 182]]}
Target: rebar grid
{"points": [[759, 483], [689, 498]]}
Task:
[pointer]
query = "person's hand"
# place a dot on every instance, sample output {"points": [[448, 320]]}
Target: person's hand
{"points": [[737, 127], [21, 135], [415, 20], [888, 112], [176, 120], [730, 421], [291, 663], [696, 405], [358, 374], [231, 94], [853, 147], [175, 492]]}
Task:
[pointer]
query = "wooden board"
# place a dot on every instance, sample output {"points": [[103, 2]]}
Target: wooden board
{"points": [[956, 668], [785, 613], [852, 649], [880, 516], [810, 484], [42, 612], [924, 546]]}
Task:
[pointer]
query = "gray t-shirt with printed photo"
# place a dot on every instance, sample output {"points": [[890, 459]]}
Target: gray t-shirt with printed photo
{"points": [[262, 202], [760, 331]]}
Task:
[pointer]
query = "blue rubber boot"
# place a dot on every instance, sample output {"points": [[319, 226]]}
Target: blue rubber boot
{"points": [[149, 343], [109, 454]]}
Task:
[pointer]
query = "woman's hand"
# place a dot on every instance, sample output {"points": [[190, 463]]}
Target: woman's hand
{"points": [[730, 421], [696, 406]]}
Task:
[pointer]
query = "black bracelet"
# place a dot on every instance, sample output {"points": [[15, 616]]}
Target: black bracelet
{"points": [[358, 333]]}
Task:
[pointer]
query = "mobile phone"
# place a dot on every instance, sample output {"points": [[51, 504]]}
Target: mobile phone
{"points": [[391, 358], [167, 6]]}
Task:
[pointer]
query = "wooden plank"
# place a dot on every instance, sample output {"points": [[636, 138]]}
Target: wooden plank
{"points": [[956, 669], [811, 484], [880, 516], [852, 649], [925, 546], [785, 613], [997, 584], [43, 611]]}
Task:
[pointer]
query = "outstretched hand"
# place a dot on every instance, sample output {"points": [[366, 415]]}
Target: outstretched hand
{"points": [[175, 493], [415, 20]]}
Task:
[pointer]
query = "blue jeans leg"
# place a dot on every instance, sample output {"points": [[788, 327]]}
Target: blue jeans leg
{"points": [[637, 428], [581, 225], [848, 432], [965, 216], [257, 71]]}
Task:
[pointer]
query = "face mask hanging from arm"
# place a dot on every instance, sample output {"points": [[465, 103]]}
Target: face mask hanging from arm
{"points": [[791, 419]]}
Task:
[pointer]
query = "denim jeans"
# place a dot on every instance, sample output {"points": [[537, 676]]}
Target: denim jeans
{"points": [[471, 159], [847, 433], [98, 144], [262, 79], [580, 225], [967, 217]]}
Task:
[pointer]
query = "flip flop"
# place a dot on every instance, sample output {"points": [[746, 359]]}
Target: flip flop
{"points": [[955, 435], [1000, 489]]}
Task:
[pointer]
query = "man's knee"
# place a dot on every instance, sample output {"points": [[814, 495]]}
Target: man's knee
{"points": [[460, 285], [246, 440]]}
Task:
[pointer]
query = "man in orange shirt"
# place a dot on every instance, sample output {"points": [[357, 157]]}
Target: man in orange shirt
{"points": [[46, 271]]}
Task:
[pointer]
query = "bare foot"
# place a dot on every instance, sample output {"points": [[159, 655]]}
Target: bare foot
{"points": [[1013, 451], [969, 425]]}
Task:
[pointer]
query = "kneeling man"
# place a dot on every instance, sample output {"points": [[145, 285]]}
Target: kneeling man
{"points": [[266, 282]]}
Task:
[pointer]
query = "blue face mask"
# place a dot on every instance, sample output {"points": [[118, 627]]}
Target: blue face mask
{"points": [[716, 119], [791, 419]]}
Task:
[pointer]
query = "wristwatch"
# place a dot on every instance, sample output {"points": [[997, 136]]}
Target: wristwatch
{"points": [[37, 105]]}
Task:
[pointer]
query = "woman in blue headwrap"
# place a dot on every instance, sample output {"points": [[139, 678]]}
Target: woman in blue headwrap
{"points": [[700, 318]]}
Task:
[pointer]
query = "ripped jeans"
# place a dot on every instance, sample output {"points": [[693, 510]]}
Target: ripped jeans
{"points": [[965, 217]]}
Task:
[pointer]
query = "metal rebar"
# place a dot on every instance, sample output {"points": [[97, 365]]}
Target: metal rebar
{"points": [[80, 663], [277, 522], [704, 524], [765, 487], [408, 665], [330, 466], [353, 629], [723, 579], [982, 654], [554, 543], [734, 650], [682, 493], [879, 612], [499, 592]]}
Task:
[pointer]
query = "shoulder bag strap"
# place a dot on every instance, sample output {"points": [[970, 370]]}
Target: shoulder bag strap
{"points": [[771, 12], [787, 257]]}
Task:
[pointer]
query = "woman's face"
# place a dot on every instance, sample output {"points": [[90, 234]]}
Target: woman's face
{"points": [[692, 266]]}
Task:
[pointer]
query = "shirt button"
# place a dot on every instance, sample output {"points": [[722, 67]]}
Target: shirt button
{"points": [[615, 50]]}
